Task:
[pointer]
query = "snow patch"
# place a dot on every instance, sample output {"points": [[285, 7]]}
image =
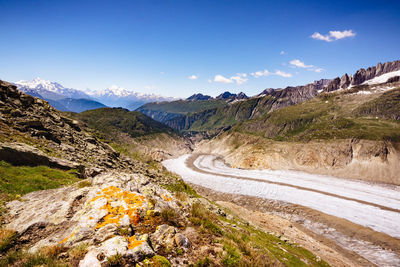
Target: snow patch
{"points": [[382, 78]]}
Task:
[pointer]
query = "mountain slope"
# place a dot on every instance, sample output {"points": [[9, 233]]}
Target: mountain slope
{"points": [[79, 105], [181, 115], [216, 114], [352, 133], [132, 132], [110, 120]]}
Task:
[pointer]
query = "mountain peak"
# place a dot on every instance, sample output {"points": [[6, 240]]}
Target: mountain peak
{"points": [[199, 97]]}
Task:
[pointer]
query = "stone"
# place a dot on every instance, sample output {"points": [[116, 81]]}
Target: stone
{"points": [[90, 260], [23, 154], [182, 241], [113, 246], [163, 236], [140, 252]]}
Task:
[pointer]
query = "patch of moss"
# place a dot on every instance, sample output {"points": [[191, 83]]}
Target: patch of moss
{"points": [[157, 261]]}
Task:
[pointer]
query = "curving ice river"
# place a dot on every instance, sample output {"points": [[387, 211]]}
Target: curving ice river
{"points": [[369, 205]]}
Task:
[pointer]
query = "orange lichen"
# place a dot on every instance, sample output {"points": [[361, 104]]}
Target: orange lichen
{"points": [[132, 242], [66, 239], [166, 197], [134, 204]]}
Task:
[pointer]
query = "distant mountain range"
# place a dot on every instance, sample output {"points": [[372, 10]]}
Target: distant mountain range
{"points": [[119, 97], [69, 99], [201, 113]]}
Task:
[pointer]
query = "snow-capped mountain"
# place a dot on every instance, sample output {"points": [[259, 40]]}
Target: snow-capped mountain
{"points": [[113, 96], [116, 96], [49, 90]]}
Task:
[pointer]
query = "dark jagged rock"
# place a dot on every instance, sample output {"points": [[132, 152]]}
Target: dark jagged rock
{"points": [[345, 81], [229, 96], [393, 79], [333, 85], [226, 95], [241, 96]]}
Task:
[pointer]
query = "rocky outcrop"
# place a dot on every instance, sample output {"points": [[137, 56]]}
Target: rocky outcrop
{"points": [[23, 154], [333, 85], [345, 81], [105, 215], [362, 75]]}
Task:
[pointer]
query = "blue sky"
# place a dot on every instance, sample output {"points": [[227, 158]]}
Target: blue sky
{"points": [[155, 46]]}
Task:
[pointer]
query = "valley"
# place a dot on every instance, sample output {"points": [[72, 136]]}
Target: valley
{"points": [[304, 175], [369, 205]]}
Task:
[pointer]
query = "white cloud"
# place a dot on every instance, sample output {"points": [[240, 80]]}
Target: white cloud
{"points": [[283, 52], [240, 78], [221, 79], [318, 70], [283, 74], [162, 73], [260, 73], [193, 77], [333, 35], [300, 64]]}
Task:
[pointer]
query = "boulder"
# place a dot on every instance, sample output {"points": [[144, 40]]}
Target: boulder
{"points": [[182, 241]]}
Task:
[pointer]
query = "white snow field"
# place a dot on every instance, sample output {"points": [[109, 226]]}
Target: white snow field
{"points": [[369, 205], [382, 78]]}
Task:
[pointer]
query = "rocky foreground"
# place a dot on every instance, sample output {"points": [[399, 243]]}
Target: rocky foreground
{"points": [[115, 214]]}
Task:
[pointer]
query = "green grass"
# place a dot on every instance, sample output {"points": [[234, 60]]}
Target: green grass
{"points": [[20, 180], [108, 122], [177, 185], [16, 181]]}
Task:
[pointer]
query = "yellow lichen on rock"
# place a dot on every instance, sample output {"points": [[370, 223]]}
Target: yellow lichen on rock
{"points": [[119, 204], [166, 197], [133, 242]]}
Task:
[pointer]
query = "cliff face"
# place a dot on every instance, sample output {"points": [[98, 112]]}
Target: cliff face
{"points": [[368, 160]]}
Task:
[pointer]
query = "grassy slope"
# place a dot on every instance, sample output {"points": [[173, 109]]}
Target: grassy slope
{"points": [[109, 121], [224, 116], [329, 116], [18, 181], [386, 106]]}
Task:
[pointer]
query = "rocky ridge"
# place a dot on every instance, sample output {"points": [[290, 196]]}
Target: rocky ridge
{"points": [[362, 75]]}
